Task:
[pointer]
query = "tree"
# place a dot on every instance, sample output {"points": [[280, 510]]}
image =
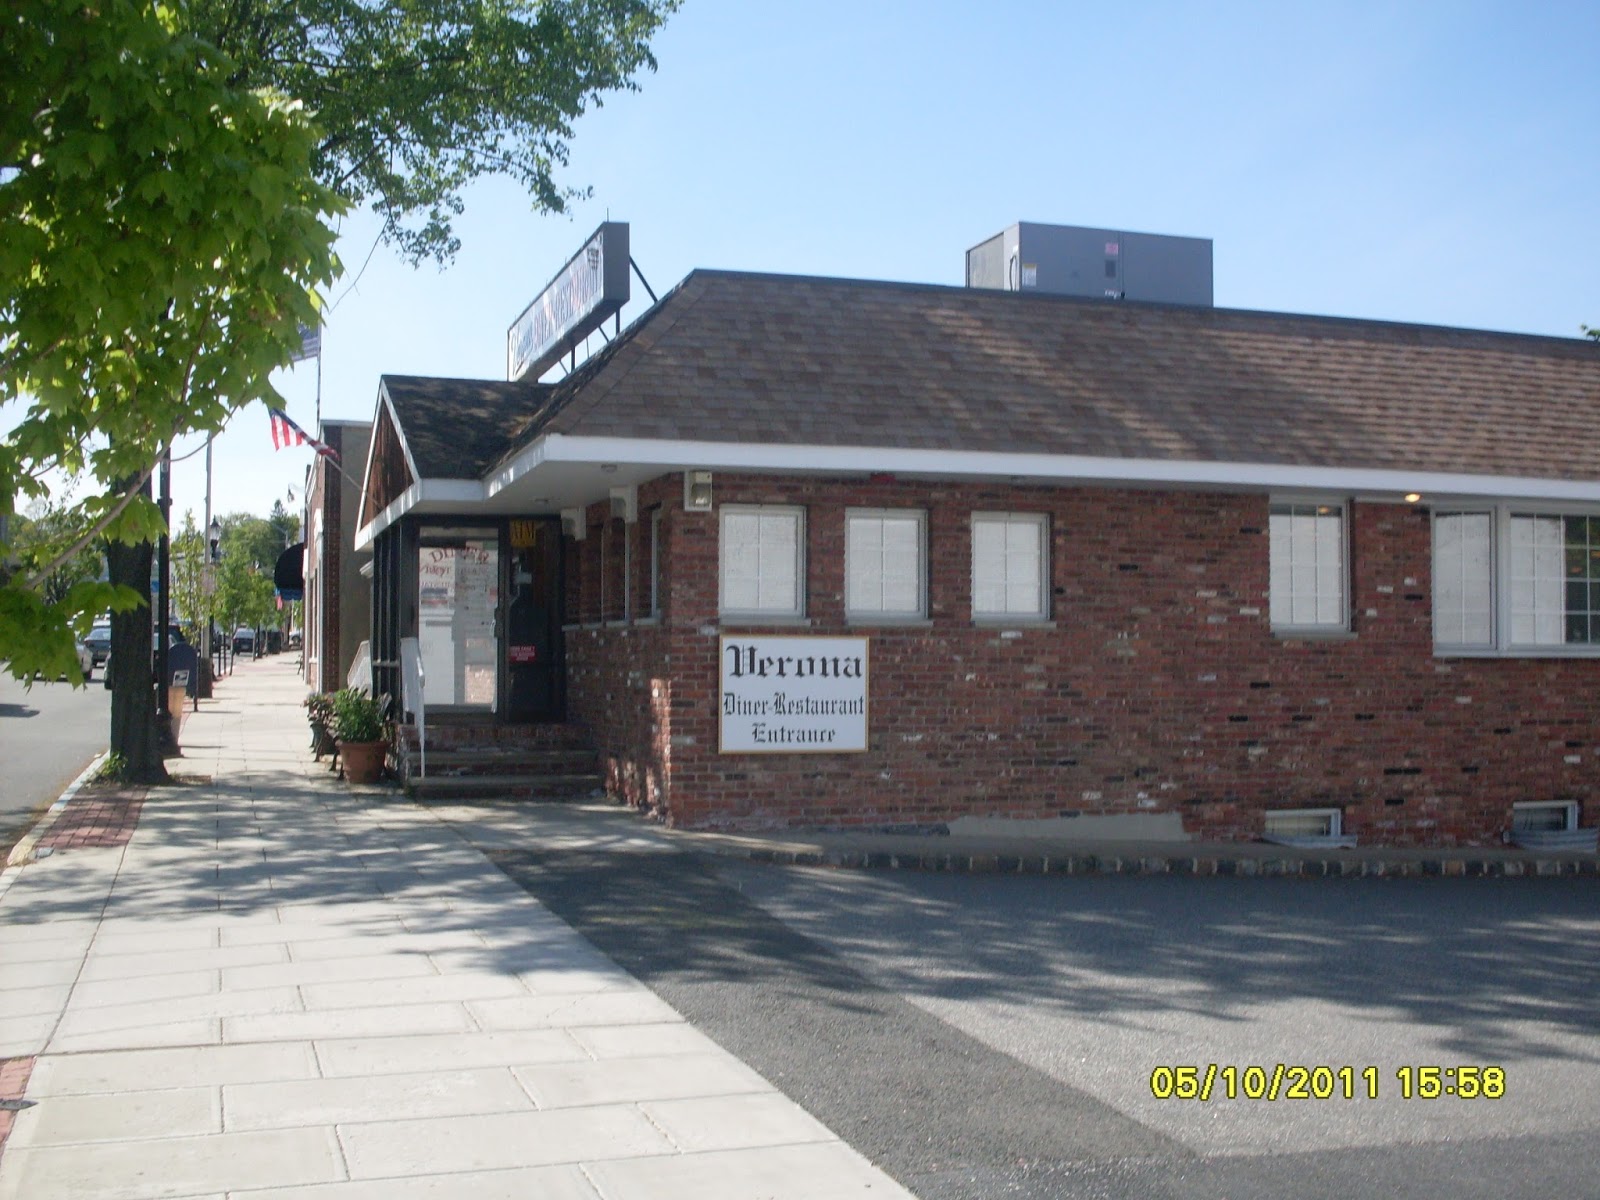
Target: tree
{"points": [[249, 548], [192, 604], [416, 98], [1591, 331], [35, 537], [161, 238]]}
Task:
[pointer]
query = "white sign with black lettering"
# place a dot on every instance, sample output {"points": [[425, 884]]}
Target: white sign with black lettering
{"points": [[793, 695]]}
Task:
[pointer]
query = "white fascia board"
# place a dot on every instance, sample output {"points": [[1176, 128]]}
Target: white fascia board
{"points": [[1062, 468], [419, 495]]}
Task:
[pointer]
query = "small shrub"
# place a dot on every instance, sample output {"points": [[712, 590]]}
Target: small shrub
{"points": [[357, 717]]}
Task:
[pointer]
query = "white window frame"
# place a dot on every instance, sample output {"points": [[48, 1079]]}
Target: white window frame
{"points": [[1303, 822], [1041, 524], [794, 609], [1501, 643], [1524, 815], [853, 560], [1341, 622]]}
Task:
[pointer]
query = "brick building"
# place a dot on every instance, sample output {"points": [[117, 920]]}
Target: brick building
{"points": [[337, 596], [819, 552]]}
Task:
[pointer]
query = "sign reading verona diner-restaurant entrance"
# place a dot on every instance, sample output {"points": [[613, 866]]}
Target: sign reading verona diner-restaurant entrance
{"points": [[793, 695]]}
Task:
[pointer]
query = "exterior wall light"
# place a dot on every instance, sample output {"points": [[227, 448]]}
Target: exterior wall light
{"points": [[1413, 497], [697, 491]]}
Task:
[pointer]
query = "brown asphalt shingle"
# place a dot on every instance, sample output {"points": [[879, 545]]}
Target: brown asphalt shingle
{"points": [[728, 357]]}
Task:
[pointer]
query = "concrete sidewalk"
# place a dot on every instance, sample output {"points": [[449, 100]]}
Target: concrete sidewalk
{"points": [[279, 986]]}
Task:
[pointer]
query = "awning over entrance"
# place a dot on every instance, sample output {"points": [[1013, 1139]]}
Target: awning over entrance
{"points": [[289, 574]]}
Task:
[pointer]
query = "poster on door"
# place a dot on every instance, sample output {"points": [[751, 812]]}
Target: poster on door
{"points": [[458, 596]]}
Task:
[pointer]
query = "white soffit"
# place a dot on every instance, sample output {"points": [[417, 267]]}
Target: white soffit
{"points": [[1033, 468]]}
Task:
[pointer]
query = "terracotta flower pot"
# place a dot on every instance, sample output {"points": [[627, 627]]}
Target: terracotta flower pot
{"points": [[363, 761]]}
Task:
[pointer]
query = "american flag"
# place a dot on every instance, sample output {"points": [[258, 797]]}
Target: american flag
{"points": [[286, 433]]}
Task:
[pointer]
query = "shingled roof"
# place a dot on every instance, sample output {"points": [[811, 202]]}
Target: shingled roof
{"points": [[458, 428], [734, 357]]}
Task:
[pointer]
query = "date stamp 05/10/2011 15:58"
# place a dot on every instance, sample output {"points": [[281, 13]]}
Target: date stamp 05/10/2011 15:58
{"points": [[1284, 1081]]}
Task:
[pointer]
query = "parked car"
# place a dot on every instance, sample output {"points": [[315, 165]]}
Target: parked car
{"points": [[174, 636], [99, 642], [244, 640]]}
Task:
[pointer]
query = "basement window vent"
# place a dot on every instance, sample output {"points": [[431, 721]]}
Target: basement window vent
{"points": [[1544, 816], [1307, 828], [1304, 822], [1551, 825]]}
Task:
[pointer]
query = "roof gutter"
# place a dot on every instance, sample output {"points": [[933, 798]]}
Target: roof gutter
{"points": [[1038, 468]]}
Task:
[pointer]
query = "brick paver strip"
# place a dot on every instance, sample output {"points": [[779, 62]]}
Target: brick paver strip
{"points": [[14, 1074], [102, 815]]}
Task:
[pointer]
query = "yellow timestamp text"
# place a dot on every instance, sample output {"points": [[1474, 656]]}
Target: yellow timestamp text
{"points": [[1290, 1081]]}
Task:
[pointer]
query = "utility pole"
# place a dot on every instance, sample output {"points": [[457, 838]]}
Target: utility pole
{"points": [[164, 577]]}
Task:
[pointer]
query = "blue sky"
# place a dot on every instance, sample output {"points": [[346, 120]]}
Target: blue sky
{"points": [[1427, 162]]}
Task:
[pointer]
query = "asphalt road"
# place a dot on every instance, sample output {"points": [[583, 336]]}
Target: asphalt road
{"points": [[986, 1036], [48, 734]]}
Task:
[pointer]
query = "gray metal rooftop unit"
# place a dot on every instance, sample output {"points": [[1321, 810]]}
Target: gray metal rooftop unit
{"points": [[1111, 264]]}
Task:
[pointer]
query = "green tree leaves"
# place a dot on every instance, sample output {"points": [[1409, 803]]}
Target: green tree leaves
{"points": [[162, 236], [416, 98]]}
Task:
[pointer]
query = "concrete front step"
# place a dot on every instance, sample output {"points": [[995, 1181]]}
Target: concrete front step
{"points": [[511, 787], [507, 760]]}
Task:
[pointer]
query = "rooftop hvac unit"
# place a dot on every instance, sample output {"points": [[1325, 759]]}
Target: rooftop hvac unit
{"points": [[1070, 260]]}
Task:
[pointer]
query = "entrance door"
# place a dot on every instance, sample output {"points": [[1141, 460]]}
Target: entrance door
{"points": [[533, 622], [458, 595]]}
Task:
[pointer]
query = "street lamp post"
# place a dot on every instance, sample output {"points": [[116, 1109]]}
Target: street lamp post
{"points": [[213, 553]]}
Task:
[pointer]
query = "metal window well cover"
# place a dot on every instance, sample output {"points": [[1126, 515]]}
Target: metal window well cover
{"points": [[1583, 841]]}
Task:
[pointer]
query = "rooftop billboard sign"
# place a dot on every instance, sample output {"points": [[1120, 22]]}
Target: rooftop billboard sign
{"points": [[585, 293]]}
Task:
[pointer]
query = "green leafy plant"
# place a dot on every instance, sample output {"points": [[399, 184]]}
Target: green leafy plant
{"points": [[114, 767], [319, 709], [357, 717]]}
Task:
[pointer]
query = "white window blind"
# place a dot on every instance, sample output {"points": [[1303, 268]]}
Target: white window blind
{"points": [[1463, 579], [1307, 558], [884, 564], [1008, 565], [761, 560]]}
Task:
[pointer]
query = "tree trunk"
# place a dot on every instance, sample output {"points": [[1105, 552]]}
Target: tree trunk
{"points": [[135, 734]]}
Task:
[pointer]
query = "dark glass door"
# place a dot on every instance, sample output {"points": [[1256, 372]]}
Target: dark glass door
{"points": [[533, 622]]}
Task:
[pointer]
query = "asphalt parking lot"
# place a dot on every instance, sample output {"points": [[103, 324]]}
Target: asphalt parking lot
{"points": [[992, 1035]]}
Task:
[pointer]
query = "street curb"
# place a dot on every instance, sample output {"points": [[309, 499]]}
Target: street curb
{"points": [[22, 852], [1159, 864]]}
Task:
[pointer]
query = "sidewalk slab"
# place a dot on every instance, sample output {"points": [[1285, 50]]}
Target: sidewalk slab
{"points": [[169, 1167], [263, 984]]}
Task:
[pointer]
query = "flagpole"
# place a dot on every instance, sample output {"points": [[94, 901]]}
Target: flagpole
{"points": [[319, 383]]}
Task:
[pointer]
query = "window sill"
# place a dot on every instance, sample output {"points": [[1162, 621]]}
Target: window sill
{"points": [[1314, 635], [1013, 623], [1544, 652]]}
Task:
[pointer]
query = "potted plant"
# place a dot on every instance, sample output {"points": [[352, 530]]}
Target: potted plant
{"points": [[359, 728], [319, 711]]}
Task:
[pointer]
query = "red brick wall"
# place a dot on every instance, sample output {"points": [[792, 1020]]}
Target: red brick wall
{"points": [[325, 614], [1158, 686]]}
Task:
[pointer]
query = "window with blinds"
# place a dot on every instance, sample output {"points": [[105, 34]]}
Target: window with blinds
{"points": [[1009, 565], [762, 559], [885, 569]]}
